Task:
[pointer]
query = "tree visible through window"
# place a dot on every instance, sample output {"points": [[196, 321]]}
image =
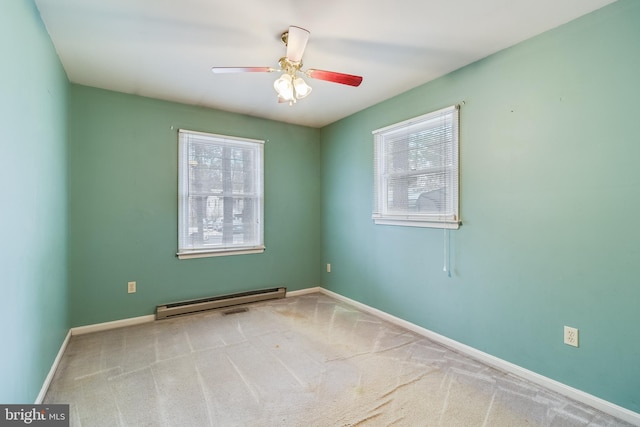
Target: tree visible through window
{"points": [[220, 200], [416, 171]]}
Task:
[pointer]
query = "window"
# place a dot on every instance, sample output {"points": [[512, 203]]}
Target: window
{"points": [[416, 171], [220, 195]]}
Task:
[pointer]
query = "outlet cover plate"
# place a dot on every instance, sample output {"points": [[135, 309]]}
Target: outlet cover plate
{"points": [[571, 336]]}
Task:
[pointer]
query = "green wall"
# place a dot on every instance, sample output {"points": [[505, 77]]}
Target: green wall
{"points": [[550, 142], [33, 195], [123, 207]]}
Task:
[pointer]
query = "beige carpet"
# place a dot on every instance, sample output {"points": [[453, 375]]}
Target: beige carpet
{"points": [[302, 361]]}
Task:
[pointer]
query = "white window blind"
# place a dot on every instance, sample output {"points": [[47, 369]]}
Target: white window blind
{"points": [[416, 171], [220, 195]]}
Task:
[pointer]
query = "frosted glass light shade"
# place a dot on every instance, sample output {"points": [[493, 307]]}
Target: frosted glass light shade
{"points": [[284, 87], [301, 87]]}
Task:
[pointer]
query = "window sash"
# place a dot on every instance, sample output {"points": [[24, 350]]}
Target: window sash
{"points": [[416, 171], [220, 195]]}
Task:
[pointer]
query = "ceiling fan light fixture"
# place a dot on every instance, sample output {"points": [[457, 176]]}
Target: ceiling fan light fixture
{"points": [[290, 88]]}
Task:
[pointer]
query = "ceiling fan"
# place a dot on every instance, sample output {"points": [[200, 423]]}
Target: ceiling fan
{"points": [[290, 86]]}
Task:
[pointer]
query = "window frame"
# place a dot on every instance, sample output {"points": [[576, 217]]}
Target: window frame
{"points": [[382, 213], [186, 248]]}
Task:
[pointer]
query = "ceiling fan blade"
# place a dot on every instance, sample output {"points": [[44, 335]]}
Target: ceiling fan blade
{"points": [[224, 70], [296, 43], [330, 76]]}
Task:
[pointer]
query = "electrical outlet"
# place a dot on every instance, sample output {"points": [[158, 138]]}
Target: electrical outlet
{"points": [[131, 287], [571, 336], [328, 268]]}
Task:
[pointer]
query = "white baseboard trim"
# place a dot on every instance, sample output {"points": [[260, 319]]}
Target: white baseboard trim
{"points": [[80, 330], [304, 292], [52, 371], [563, 389]]}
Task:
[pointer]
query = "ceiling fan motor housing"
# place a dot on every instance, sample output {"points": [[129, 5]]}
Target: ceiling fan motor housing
{"points": [[288, 66]]}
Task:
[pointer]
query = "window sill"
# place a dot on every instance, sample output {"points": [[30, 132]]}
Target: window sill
{"points": [[417, 222], [221, 252]]}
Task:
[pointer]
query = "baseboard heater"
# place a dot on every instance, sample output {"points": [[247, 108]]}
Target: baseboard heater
{"points": [[196, 305]]}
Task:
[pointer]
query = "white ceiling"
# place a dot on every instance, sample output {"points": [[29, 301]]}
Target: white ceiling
{"points": [[165, 48]]}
